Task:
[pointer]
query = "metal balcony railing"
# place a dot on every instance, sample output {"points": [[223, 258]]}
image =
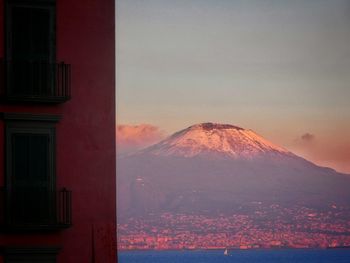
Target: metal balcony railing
{"points": [[36, 81], [35, 209]]}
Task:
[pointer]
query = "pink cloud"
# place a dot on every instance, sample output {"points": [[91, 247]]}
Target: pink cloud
{"points": [[335, 155], [134, 137], [331, 151]]}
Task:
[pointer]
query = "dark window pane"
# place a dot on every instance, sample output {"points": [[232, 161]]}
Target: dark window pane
{"points": [[31, 50], [32, 198], [30, 34]]}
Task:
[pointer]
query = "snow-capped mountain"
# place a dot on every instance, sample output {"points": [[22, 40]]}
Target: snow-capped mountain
{"points": [[219, 168], [212, 138]]}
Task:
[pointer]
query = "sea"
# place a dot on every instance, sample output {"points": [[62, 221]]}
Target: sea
{"points": [[238, 256]]}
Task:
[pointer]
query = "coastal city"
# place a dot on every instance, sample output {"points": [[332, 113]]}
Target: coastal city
{"points": [[266, 227]]}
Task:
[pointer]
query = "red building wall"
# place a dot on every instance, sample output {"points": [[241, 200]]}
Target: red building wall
{"points": [[85, 161]]}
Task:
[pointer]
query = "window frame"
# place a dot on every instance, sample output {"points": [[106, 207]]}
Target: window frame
{"points": [[45, 80], [16, 123]]}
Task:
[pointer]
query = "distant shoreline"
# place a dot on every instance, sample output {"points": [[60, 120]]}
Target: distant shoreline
{"points": [[233, 249]]}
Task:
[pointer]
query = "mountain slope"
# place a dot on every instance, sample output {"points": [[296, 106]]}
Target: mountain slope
{"points": [[215, 168]]}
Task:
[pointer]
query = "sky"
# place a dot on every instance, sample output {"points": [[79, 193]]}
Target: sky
{"points": [[278, 67]]}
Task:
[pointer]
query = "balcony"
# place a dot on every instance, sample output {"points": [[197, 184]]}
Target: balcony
{"points": [[35, 210], [33, 81]]}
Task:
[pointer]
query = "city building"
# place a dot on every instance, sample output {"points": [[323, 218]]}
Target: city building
{"points": [[57, 131]]}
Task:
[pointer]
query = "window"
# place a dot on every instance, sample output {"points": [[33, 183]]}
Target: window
{"points": [[31, 197], [29, 255], [32, 73], [31, 31]]}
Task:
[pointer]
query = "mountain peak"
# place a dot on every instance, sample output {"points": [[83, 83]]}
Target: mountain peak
{"points": [[215, 139], [212, 126]]}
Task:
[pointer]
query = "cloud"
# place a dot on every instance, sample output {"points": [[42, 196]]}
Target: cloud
{"points": [[331, 151], [134, 137], [307, 137]]}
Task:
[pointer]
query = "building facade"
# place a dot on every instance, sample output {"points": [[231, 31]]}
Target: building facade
{"points": [[57, 131]]}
